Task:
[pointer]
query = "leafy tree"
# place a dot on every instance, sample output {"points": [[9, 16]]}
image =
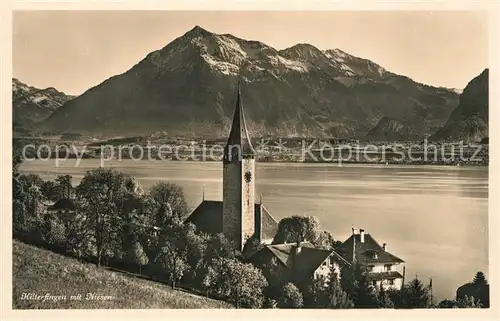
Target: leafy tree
{"points": [[17, 158], [31, 180], [50, 191], [325, 240], [290, 297], [466, 302], [53, 231], [80, 239], [416, 295], [19, 197], [138, 256], [163, 193], [219, 247], [173, 263], [297, 229], [241, 283], [101, 197], [65, 186]]}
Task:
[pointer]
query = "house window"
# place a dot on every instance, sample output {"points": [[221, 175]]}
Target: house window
{"points": [[369, 268], [387, 268], [374, 283], [390, 281]]}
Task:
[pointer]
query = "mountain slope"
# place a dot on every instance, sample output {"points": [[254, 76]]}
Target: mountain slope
{"points": [[38, 271], [188, 88], [31, 105], [469, 121], [388, 129]]}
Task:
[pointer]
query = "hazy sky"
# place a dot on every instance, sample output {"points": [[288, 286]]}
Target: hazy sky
{"points": [[75, 50]]}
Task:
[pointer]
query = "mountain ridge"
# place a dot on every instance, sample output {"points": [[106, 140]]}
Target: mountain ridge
{"points": [[188, 88], [469, 121], [31, 105]]}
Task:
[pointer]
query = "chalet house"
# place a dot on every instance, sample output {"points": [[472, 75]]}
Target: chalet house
{"points": [[298, 261], [383, 268]]}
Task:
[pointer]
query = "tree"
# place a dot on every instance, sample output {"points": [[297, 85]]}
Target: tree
{"points": [[384, 300], [138, 256], [478, 288], [17, 158], [297, 229], [241, 283], [172, 262], [336, 297], [53, 231], [65, 186], [50, 191], [325, 240], [101, 197], [416, 295], [290, 297], [364, 295], [479, 279], [466, 302], [163, 193]]}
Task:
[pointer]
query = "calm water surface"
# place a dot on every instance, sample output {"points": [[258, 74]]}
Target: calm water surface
{"points": [[433, 217]]}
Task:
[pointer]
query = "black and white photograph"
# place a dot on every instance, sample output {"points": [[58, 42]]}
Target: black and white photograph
{"points": [[245, 159]]}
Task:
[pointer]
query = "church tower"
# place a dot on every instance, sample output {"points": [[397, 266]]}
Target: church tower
{"points": [[238, 193]]}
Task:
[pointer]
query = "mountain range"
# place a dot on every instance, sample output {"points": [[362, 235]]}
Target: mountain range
{"points": [[31, 105], [189, 88], [469, 121]]}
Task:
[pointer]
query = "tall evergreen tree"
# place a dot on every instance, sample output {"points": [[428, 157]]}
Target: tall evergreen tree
{"points": [[416, 295]]}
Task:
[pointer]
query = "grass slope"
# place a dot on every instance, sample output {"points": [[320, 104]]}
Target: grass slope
{"points": [[39, 272]]}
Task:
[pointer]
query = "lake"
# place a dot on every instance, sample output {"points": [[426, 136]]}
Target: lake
{"points": [[433, 217]]}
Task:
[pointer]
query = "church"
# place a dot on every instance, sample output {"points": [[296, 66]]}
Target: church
{"points": [[238, 216]]}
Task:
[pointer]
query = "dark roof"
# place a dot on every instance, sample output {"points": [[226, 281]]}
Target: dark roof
{"points": [[306, 261], [208, 218], [384, 276], [365, 251], [63, 204], [268, 225], [238, 136]]}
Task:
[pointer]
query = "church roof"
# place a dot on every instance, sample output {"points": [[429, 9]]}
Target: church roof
{"points": [[306, 261], [208, 218], [365, 251], [239, 140]]}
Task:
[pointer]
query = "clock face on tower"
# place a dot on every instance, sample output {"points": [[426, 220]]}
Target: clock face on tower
{"points": [[248, 177]]}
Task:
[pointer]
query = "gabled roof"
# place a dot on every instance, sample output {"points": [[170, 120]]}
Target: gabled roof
{"points": [[365, 251], [306, 261], [208, 218], [63, 204], [239, 140]]}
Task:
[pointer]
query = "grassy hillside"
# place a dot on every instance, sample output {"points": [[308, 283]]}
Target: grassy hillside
{"points": [[41, 272]]}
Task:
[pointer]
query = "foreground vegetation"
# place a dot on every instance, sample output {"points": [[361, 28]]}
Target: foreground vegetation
{"points": [[116, 224], [38, 271]]}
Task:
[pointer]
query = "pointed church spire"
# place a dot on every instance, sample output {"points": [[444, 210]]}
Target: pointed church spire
{"points": [[238, 144]]}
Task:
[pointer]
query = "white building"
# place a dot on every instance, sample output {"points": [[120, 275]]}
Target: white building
{"points": [[384, 269]]}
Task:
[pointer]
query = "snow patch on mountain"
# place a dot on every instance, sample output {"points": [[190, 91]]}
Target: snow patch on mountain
{"points": [[222, 67], [288, 63]]}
